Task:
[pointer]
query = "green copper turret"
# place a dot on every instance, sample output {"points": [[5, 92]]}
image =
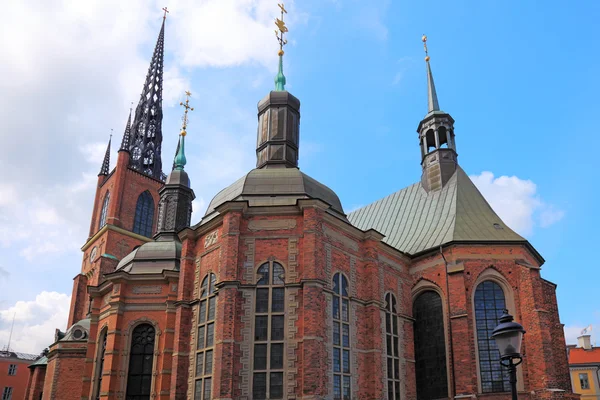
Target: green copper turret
{"points": [[180, 159], [280, 78]]}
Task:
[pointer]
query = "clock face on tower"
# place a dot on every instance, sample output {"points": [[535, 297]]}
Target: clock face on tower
{"points": [[93, 253]]}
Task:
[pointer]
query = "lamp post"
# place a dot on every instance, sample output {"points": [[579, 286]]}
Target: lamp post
{"points": [[508, 336]]}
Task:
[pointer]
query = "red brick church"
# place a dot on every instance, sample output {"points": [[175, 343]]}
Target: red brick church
{"points": [[277, 293]]}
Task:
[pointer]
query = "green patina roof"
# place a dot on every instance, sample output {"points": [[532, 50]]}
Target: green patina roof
{"points": [[43, 360], [414, 221]]}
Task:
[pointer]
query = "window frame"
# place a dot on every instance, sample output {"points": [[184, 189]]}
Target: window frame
{"points": [[340, 298], [143, 219], [392, 336], [100, 354], [12, 369], [268, 371], [154, 354], [585, 375], [208, 293], [104, 210], [7, 393]]}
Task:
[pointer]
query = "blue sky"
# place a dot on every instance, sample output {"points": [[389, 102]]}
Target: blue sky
{"points": [[519, 79]]}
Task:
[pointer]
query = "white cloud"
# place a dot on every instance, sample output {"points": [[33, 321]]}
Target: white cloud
{"points": [[517, 202], [35, 321]]}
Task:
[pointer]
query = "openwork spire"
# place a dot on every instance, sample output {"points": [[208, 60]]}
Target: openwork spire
{"points": [[146, 130], [126, 134], [280, 32], [104, 170], [432, 100]]}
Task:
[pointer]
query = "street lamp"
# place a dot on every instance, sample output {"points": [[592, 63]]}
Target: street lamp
{"points": [[508, 336]]}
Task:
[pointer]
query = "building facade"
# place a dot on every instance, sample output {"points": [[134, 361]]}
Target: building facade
{"points": [[584, 364], [279, 294], [14, 374]]}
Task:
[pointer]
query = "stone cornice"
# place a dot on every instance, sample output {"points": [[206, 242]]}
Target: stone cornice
{"points": [[109, 227]]}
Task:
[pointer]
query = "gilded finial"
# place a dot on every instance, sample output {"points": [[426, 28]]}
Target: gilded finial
{"points": [[166, 11], [187, 107], [281, 30], [424, 39], [279, 33]]}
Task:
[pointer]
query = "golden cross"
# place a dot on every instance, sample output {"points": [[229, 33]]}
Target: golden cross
{"points": [[166, 11], [187, 107], [424, 39], [282, 29]]}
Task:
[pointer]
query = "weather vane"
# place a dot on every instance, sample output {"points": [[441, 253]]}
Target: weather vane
{"points": [[424, 39], [187, 107], [281, 29], [166, 11]]}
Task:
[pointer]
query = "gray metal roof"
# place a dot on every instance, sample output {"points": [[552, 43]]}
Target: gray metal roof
{"points": [[16, 354], [274, 187], [413, 220], [152, 257]]}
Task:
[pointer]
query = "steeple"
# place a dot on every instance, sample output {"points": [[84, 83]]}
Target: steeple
{"points": [[126, 134], [278, 117], [176, 196], [105, 169], [146, 131], [436, 138]]}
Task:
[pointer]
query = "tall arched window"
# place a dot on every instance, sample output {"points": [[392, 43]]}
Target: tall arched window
{"points": [[206, 338], [269, 322], [144, 214], [430, 347], [341, 338], [141, 359], [489, 306], [392, 343], [100, 363], [104, 210]]}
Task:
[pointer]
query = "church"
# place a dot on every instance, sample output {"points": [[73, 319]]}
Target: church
{"points": [[278, 293]]}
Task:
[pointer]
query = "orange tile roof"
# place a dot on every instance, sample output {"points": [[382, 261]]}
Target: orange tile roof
{"points": [[581, 356]]}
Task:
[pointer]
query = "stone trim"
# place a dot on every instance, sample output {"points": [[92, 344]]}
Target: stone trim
{"points": [[271, 225], [246, 346]]}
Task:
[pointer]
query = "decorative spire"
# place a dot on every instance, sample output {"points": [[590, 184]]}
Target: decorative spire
{"points": [[127, 133], [432, 100], [106, 163], [279, 32], [180, 160], [146, 129]]}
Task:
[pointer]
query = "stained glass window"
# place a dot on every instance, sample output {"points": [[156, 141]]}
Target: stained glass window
{"points": [[430, 347], [341, 338], [141, 359], [269, 320], [100, 363], [144, 214], [206, 338], [392, 342], [104, 210], [489, 306]]}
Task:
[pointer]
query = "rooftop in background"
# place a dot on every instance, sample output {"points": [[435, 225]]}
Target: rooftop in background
{"points": [[580, 355], [20, 356]]}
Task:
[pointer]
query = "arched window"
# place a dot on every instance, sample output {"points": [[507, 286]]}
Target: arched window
{"points": [[104, 210], [141, 359], [393, 352], [269, 322], [430, 347], [100, 363], [489, 306], [144, 214], [206, 338], [341, 338]]}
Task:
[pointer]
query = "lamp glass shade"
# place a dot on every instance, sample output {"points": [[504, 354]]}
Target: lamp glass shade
{"points": [[509, 342]]}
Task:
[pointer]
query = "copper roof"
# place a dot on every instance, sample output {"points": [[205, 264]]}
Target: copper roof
{"points": [[414, 220]]}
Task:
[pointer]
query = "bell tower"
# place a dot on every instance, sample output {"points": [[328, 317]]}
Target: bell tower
{"points": [[436, 138]]}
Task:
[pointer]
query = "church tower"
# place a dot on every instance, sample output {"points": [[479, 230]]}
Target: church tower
{"points": [[436, 138], [124, 215]]}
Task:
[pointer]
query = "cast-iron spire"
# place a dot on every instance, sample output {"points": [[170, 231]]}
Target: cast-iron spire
{"points": [[146, 130], [126, 134], [432, 100], [106, 163]]}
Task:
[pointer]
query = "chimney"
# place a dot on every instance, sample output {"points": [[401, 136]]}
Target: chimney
{"points": [[584, 342]]}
